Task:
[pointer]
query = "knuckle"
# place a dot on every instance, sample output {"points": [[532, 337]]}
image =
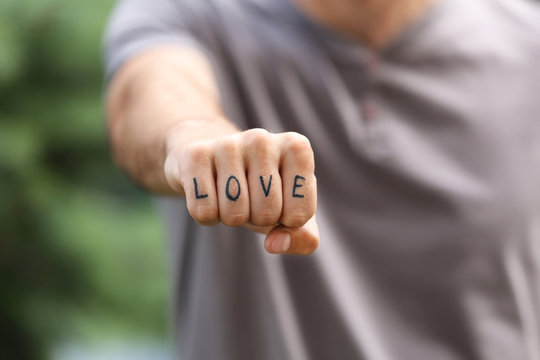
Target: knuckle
{"points": [[197, 153], [235, 219], [227, 145], [203, 214], [259, 141], [256, 134], [296, 141], [265, 218], [296, 219], [299, 146]]}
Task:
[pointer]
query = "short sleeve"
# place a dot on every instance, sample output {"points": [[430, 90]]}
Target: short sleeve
{"points": [[136, 25]]}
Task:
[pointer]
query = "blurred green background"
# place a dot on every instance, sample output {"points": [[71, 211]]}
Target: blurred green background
{"points": [[81, 249], [82, 262]]}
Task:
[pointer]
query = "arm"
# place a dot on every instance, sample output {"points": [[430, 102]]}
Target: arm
{"points": [[168, 132]]}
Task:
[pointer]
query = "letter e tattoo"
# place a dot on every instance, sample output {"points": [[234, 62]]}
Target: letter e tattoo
{"points": [[197, 196], [297, 185]]}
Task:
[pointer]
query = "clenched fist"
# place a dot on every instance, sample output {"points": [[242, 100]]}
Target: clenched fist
{"points": [[256, 179]]}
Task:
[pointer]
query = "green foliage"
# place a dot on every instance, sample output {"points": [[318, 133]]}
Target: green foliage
{"points": [[81, 250]]}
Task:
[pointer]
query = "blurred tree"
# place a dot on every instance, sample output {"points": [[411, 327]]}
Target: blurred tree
{"points": [[81, 251]]}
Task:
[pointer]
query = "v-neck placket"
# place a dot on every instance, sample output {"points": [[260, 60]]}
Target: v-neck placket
{"points": [[359, 66]]}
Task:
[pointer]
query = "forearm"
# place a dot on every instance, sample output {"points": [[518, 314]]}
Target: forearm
{"points": [[161, 99], [168, 132]]}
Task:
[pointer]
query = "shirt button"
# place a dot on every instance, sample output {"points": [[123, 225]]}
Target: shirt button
{"points": [[372, 62], [369, 109]]}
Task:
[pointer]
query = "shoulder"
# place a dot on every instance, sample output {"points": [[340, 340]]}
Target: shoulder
{"points": [[492, 31], [517, 24], [250, 32], [516, 21], [521, 14]]}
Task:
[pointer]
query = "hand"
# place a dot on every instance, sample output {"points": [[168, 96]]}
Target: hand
{"points": [[256, 179]]}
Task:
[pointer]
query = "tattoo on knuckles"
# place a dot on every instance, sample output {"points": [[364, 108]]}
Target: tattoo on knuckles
{"points": [[228, 191], [197, 196], [266, 190], [297, 185]]}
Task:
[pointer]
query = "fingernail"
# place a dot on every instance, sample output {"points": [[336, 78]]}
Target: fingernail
{"points": [[281, 243]]}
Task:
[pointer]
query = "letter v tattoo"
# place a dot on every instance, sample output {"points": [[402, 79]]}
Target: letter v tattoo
{"points": [[266, 189]]}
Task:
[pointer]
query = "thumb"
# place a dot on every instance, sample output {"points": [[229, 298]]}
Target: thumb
{"points": [[303, 240]]}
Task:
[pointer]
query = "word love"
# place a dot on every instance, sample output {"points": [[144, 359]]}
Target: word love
{"points": [[234, 193]]}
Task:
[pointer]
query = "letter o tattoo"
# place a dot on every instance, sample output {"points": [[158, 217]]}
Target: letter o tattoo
{"points": [[227, 190]]}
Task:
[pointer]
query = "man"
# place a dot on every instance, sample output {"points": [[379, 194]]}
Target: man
{"points": [[421, 117]]}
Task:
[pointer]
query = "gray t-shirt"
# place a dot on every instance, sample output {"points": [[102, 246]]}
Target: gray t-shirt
{"points": [[427, 159]]}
